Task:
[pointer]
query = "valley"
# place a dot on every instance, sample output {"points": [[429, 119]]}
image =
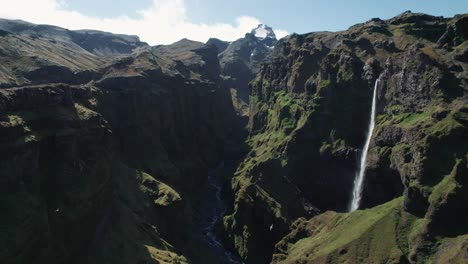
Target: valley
{"points": [[325, 147]]}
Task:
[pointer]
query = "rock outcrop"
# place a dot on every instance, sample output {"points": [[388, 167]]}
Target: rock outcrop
{"points": [[96, 42], [240, 61], [105, 168], [39, 54], [106, 145], [308, 114]]}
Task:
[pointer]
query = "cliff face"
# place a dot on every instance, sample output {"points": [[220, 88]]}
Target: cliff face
{"points": [[240, 61], [96, 42], [166, 110], [104, 168], [56, 173], [104, 158], [308, 115], [40, 54]]}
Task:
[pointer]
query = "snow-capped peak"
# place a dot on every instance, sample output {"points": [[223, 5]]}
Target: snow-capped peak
{"points": [[263, 31]]}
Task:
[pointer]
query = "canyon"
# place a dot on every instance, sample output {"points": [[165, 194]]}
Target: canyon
{"points": [[326, 147]]}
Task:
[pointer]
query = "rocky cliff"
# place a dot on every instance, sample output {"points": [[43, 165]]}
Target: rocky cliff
{"points": [[38, 54], [106, 145], [101, 156], [240, 61], [308, 117], [96, 42]]}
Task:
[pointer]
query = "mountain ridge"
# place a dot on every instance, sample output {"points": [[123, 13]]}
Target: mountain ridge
{"points": [[96, 42], [107, 155]]}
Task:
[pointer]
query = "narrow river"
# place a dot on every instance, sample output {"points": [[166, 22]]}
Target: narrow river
{"points": [[213, 208]]}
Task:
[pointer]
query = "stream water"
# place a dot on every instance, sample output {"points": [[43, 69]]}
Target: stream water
{"points": [[212, 212], [213, 208], [359, 180]]}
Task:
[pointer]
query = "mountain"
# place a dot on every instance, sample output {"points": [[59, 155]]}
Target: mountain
{"points": [[96, 42], [113, 151], [35, 54], [101, 158], [264, 32], [219, 44], [240, 61], [309, 112]]}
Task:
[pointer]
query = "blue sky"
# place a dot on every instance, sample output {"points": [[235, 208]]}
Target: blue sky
{"points": [[298, 16], [167, 21]]}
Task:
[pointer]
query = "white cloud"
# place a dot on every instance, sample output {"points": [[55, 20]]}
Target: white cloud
{"points": [[164, 22], [280, 33]]}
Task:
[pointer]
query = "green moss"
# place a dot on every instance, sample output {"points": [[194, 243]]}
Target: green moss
{"points": [[444, 127], [163, 194], [345, 75], [424, 121], [165, 256], [395, 109], [323, 84], [253, 99], [325, 148], [368, 236], [287, 124], [383, 151], [406, 119], [402, 147], [263, 107], [444, 187], [383, 234], [283, 98], [462, 114], [411, 120], [451, 250]]}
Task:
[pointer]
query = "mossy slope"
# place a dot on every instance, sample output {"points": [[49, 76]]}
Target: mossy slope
{"points": [[308, 117]]}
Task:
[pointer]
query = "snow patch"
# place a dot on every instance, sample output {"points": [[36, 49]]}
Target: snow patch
{"points": [[261, 31]]}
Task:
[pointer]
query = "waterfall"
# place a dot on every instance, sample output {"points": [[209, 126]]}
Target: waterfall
{"points": [[359, 180]]}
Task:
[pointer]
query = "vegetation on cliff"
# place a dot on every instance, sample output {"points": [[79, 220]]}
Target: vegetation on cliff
{"points": [[307, 124], [106, 143], [104, 168]]}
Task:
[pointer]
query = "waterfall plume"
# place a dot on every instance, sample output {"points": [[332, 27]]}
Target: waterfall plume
{"points": [[359, 180]]}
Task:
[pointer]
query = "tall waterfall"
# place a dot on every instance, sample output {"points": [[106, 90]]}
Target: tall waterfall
{"points": [[359, 180]]}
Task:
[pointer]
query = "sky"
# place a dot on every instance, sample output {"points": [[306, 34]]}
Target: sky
{"points": [[167, 21]]}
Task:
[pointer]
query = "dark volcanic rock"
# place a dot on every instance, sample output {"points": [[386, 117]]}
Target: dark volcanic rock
{"points": [[219, 44], [96, 42], [105, 171], [240, 61], [102, 156], [104, 43], [56, 174], [309, 111]]}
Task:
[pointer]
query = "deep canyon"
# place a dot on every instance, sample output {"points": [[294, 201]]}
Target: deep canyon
{"points": [[115, 151]]}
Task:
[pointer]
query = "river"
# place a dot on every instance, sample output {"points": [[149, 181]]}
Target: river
{"points": [[213, 208]]}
